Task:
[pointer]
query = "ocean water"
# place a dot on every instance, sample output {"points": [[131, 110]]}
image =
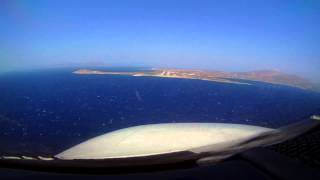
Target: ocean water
{"points": [[45, 112]]}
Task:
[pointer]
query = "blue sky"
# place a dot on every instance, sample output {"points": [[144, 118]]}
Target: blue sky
{"points": [[205, 34]]}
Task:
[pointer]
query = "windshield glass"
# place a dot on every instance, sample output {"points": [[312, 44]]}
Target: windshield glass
{"points": [[128, 79]]}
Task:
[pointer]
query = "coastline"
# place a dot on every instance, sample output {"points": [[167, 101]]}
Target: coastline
{"points": [[267, 76]]}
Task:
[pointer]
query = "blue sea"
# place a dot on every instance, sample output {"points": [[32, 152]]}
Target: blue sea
{"points": [[46, 111]]}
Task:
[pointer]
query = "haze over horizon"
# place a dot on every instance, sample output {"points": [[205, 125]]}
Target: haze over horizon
{"points": [[232, 35]]}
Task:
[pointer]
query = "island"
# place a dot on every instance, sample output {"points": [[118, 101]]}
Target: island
{"points": [[268, 76]]}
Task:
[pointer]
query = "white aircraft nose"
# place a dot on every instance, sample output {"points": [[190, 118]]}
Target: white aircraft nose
{"points": [[157, 139]]}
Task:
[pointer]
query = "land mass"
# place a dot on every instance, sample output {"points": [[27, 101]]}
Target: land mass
{"points": [[269, 76]]}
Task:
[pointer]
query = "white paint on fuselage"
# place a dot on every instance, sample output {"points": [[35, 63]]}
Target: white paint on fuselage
{"points": [[157, 139]]}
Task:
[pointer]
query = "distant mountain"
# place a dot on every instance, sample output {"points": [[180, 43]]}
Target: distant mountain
{"points": [[269, 76], [275, 77]]}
